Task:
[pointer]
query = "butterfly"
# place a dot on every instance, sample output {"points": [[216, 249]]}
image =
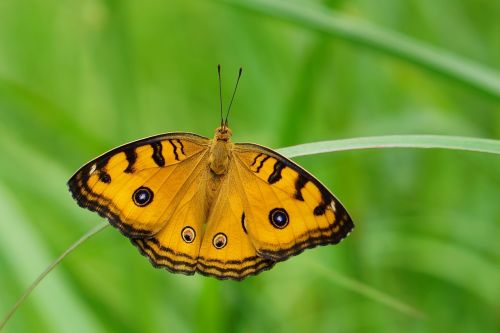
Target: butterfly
{"points": [[222, 209]]}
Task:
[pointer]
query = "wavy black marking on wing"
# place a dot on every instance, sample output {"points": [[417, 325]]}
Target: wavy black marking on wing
{"points": [[300, 183], [182, 146], [157, 154], [131, 156], [176, 155], [276, 175], [255, 159], [261, 164]]}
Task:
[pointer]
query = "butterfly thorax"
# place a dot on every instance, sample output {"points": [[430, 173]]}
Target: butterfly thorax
{"points": [[220, 151]]}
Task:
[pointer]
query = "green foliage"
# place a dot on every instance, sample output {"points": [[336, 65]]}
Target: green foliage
{"points": [[77, 78]]}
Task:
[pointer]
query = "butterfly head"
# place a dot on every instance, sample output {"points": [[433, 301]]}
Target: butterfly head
{"points": [[223, 133]]}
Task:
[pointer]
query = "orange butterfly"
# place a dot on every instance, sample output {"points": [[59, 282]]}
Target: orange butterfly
{"points": [[223, 209]]}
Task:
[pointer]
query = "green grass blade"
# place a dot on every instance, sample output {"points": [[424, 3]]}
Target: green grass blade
{"points": [[363, 33], [395, 141], [49, 268]]}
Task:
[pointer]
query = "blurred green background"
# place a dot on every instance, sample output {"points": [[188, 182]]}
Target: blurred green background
{"points": [[80, 77]]}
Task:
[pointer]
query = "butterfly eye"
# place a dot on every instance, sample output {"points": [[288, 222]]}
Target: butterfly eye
{"points": [[278, 218], [219, 241], [188, 234], [142, 196]]}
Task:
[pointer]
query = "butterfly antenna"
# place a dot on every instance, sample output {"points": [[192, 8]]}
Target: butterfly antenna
{"points": [[220, 95], [232, 98]]}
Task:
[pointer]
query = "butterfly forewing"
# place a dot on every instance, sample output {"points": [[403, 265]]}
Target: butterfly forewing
{"points": [[137, 186], [288, 210]]}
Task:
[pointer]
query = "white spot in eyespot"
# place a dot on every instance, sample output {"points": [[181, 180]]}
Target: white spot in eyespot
{"points": [[92, 169]]}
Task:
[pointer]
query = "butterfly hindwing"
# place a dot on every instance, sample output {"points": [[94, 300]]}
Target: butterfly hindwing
{"points": [[287, 209], [226, 251], [138, 185], [176, 246]]}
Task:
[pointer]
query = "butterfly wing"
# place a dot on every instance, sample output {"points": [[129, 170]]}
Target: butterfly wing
{"points": [[286, 209], [176, 246], [226, 251], [138, 186]]}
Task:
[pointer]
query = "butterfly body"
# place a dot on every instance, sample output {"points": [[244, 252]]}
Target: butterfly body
{"points": [[220, 151], [223, 209]]}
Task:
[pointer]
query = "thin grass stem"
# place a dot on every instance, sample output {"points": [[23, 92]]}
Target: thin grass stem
{"points": [[365, 290], [49, 268]]}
